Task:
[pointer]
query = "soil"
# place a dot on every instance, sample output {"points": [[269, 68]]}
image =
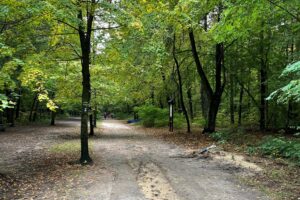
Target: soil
{"points": [[129, 164]]}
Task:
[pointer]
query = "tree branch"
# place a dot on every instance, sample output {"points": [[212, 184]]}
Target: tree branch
{"points": [[281, 7], [66, 23]]}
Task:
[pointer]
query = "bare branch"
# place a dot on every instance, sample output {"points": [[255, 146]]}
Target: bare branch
{"points": [[66, 23]]}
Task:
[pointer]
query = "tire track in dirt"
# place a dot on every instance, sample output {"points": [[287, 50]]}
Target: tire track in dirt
{"points": [[152, 181]]}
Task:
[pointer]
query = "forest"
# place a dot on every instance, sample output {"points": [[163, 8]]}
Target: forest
{"points": [[227, 70]]}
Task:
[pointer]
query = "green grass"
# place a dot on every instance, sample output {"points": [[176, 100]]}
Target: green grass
{"points": [[68, 147]]}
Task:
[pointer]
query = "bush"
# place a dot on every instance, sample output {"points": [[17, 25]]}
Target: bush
{"points": [[280, 147], [179, 120], [221, 137], [152, 116]]}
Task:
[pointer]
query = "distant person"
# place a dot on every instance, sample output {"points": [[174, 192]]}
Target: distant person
{"points": [[105, 115]]}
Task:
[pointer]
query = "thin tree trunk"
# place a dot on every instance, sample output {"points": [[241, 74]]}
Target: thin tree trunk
{"points": [[10, 116], [231, 98], [240, 106], [189, 95], [35, 111], [289, 108], [53, 115], [2, 127], [180, 87], [152, 95], [263, 84], [95, 117], [18, 105], [9, 111], [32, 107]]}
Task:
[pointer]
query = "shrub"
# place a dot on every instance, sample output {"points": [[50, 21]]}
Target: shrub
{"points": [[179, 120], [281, 147], [152, 116], [219, 136]]}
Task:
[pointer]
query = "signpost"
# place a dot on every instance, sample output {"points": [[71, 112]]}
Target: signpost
{"points": [[171, 115]]}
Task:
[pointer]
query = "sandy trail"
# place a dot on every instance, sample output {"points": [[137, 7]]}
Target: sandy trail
{"points": [[128, 165]]}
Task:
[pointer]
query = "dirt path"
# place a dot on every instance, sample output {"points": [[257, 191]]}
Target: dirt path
{"points": [[128, 165]]}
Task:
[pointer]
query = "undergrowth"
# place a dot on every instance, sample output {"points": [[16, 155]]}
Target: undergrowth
{"points": [[271, 146], [152, 116]]}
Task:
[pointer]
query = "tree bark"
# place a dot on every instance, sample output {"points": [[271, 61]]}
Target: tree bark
{"points": [[180, 87], [91, 126], [18, 105], [263, 84], [189, 95], [95, 117], [2, 127], [35, 111], [53, 115], [240, 106], [32, 107], [10, 116], [205, 99], [85, 42], [213, 96], [231, 98]]}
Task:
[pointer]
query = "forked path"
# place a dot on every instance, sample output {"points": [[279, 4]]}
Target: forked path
{"points": [[128, 165], [145, 168]]}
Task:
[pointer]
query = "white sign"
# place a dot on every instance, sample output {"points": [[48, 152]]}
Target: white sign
{"points": [[171, 110]]}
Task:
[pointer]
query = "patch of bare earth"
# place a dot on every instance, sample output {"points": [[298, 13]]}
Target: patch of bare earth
{"points": [[153, 183], [278, 178], [30, 170]]}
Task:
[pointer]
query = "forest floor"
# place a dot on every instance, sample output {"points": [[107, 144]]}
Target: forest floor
{"points": [[39, 162]]}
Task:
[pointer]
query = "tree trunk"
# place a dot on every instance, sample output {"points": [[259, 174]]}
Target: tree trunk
{"points": [[212, 114], [10, 116], [180, 87], [85, 42], [205, 99], [9, 111], [231, 98], [2, 127], [189, 95], [152, 95], [35, 111], [216, 98], [53, 115], [91, 126], [32, 107], [85, 157], [95, 117], [263, 84], [240, 106], [18, 105]]}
